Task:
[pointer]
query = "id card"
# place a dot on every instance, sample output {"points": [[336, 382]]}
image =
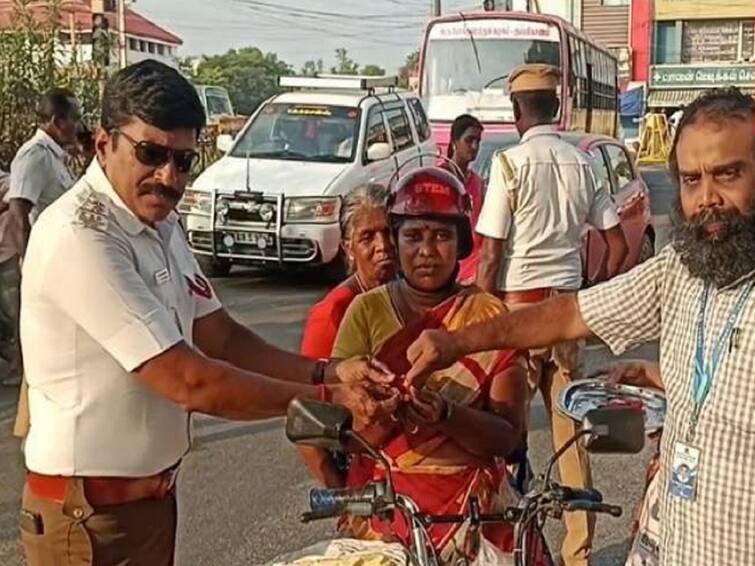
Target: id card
{"points": [[684, 468]]}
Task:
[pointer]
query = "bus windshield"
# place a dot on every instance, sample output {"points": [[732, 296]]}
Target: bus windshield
{"points": [[471, 60]]}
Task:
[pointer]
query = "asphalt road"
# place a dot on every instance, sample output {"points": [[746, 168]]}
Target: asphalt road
{"points": [[242, 487]]}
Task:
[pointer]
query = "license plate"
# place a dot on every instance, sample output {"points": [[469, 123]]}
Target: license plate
{"points": [[260, 239]]}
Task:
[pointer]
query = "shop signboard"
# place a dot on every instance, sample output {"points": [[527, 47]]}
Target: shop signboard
{"points": [[703, 9], [701, 76]]}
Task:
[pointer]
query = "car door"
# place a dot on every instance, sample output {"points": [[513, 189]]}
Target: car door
{"points": [[402, 138], [425, 143], [631, 196], [376, 132], [593, 245]]}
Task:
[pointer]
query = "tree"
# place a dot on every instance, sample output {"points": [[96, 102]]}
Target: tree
{"points": [[313, 68], [249, 75], [345, 65], [372, 71], [410, 64]]}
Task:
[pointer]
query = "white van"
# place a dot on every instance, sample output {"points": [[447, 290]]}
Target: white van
{"points": [[275, 196]]}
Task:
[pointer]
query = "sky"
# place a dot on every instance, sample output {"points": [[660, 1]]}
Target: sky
{"points": [[381, 32]]}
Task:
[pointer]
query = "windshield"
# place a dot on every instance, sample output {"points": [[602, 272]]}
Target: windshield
{"points": [[218, 103], [473, 59], [301, 132]]}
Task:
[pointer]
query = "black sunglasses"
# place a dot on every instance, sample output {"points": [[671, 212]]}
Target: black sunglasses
{"points": [[156, 155]]}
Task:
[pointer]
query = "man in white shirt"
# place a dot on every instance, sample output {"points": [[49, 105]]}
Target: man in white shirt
{"points": [[541, 194], [124, 338], [39, 173]]}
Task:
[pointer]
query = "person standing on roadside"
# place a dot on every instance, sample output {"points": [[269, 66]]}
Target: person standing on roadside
{"points": [[696, 298], [39, 174], [466, 134], [123, 338], [541, 194]]}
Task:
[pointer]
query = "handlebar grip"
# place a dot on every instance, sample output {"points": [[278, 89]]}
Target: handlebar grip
{"points": [[336, 500], [576, 494], [594, 507]]}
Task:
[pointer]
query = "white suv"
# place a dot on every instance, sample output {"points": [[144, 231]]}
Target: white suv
{"points": [[275, 196]]}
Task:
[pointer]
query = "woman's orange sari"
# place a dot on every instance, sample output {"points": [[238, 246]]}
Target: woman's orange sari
{"points": [[429, 467]]}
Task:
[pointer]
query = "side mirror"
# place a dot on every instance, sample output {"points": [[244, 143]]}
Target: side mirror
{"points": [[617, 430], [378, 151], [224, 142], [322, 425]]}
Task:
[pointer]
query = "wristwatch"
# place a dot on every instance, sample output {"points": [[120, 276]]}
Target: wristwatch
{"points": [[318, 372]]}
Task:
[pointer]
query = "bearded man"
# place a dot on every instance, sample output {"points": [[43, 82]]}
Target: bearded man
{"points": [[696, 298]]}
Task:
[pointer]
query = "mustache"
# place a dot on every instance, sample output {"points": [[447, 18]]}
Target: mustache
{"points": [[161, 191]]}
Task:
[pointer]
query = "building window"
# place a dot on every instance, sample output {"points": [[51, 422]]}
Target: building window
{"points": [[615, 2], [668, 48], [160, 49], [133, 44], [142, 45], [151, 47]]}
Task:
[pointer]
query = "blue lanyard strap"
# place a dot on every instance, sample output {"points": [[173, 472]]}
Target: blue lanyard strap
{"points": [[705, 373]]}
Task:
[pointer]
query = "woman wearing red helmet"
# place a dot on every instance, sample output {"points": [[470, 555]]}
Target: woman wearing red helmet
{"points": [[451, 436]]}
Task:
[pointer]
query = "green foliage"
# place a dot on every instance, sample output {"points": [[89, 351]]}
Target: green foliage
{"points": [[410, 64], [33, 59], [249, 75], [372, 71], [313, 68], [345, 65]]}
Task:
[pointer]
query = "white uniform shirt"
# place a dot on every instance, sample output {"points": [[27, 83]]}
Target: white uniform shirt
{"points": [[540, 195], [102, 293], [39, 173]]}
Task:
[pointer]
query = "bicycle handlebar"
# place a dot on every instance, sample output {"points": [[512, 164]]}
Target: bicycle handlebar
{"points": [[338, 500]]}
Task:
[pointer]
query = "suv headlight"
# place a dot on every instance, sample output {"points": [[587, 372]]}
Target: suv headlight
{"points": [[195, 201], [316, 210]]}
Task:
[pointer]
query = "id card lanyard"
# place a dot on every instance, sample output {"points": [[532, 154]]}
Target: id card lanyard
{"points": [[705, 373]]}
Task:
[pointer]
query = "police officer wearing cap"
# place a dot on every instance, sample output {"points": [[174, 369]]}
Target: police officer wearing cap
{"points": [[124, 338], [541, 194]]}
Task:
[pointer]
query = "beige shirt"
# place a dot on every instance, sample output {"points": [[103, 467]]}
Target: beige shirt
{"points": [[540, 196], [660, 300], [102, 293], [39, 173]]}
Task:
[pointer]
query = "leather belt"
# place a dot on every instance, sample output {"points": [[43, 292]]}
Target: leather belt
{"points": [[524, 297], [105, 490]]}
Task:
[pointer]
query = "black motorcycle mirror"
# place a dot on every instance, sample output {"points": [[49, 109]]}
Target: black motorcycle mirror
{"points": [[614, 430], [322, 425], [619, 430], [329, 426]]}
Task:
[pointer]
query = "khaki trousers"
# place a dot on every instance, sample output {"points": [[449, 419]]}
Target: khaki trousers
{"points": [[74, 533], [550, 371]]}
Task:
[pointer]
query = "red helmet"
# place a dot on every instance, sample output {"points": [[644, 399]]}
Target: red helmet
{"points": [[435, 193]]}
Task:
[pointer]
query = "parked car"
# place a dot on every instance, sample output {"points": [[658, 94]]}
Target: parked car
{"points": [[614, 168], [275, 196]]}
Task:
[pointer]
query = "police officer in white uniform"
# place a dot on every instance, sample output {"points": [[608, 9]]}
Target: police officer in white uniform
{"points": [[124, 337], [541, 194]]}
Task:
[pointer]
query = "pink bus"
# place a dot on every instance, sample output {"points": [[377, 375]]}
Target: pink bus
{"points": [[466, 59]]}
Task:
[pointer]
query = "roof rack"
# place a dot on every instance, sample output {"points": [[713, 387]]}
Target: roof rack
{"points": [[345, 82]]}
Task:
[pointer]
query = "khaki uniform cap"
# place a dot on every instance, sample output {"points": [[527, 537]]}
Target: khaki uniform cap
{"points": [[536, 76]]}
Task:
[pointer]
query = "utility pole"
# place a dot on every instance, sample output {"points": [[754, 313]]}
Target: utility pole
{"points": [[436, 8], [122, 44]]}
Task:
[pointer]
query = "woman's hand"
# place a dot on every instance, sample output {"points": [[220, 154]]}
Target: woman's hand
{"points": [[425, 408]]}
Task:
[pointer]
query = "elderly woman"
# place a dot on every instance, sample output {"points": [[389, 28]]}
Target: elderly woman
{"points": [[369, 250], [450, 440]]}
